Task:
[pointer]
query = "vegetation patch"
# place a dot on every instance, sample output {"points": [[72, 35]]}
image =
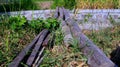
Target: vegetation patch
{"points": [[107, 39], [16, 32]]}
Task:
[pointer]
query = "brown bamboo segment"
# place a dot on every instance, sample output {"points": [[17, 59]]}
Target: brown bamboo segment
{"points": [[36, 48], [96, 57], [23, 53]]}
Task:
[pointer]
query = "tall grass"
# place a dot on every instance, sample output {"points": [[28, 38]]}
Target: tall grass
{"points": [[16, 5]]}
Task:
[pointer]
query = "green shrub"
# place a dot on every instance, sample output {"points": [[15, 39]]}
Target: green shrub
{"points": [[39, 24], [17, 22]]}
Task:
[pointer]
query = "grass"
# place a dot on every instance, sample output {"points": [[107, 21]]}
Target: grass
{"points": [[98, 4], [107, 39], [17, 5]]}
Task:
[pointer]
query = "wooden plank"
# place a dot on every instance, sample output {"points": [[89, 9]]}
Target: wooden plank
{"points": [[23, 53], [96, 57], [36, 48]]}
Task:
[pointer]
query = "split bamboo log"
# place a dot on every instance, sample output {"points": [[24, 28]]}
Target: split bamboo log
{"points": [[96, 57]]}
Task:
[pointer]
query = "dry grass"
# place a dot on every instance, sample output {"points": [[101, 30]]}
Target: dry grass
{"points": [[98, 4]]}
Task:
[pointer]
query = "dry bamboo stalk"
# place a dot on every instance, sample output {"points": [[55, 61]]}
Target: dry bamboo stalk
{"points": [[40, 61], [23, 53], [45, 43], [36, 48], [96, 57], [38, 58]]}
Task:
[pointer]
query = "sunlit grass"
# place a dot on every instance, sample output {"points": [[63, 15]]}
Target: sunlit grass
{"points": [[98, 4]]}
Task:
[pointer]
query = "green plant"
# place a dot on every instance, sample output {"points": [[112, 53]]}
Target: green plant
{"points": [[39, 24], [17, 22]]}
